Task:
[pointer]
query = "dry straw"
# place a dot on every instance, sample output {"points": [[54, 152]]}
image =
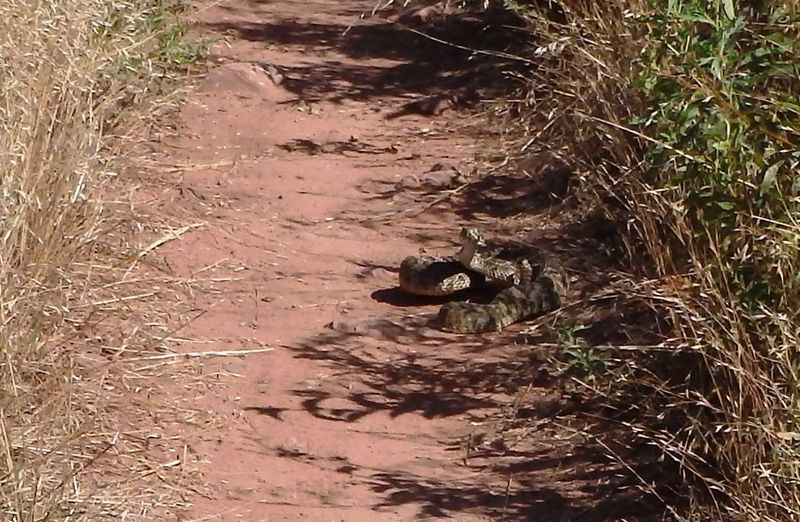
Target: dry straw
{"points": [[724, 405], [732, 414], [80, 435]]}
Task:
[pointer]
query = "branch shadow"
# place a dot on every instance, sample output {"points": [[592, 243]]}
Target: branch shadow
{"points": [[506, 195], [550, 449], [392, 60], [565, 451], [544, 447]]}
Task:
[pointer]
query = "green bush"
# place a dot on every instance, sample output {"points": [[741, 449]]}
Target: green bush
{"points": [[722, 84], [682, 121]]}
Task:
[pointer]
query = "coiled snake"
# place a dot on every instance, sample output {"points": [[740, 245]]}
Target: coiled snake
{"points": [[528, 283]]}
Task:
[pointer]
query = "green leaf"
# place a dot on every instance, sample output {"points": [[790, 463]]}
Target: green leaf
{"points": [[769, 177], [730, 12]]}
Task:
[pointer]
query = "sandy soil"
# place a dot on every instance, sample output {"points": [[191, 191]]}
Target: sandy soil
{"points": [[311, 197]]}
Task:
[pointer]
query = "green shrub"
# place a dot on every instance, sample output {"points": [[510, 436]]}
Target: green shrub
{"points": [[723, 90]]}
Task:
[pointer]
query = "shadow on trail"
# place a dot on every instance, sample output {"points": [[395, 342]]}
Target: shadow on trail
{"points": [[541, 448], [530, 500], [394, 62], [419, 375], [443, 499], [545, 445], [505, 195]]}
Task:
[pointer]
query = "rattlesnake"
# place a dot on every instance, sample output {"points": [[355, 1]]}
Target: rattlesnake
{"points": [[529, 283]]}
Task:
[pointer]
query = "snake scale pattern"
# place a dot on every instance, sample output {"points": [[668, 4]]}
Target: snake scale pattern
{"points": [[528, 284]]}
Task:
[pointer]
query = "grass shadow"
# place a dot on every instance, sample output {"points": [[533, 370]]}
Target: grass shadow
{"points": [[549, 443], [377, 59]]}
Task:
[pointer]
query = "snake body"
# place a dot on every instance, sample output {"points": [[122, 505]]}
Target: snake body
{"points": [[509, 306], [528, 284], [436, 275]]}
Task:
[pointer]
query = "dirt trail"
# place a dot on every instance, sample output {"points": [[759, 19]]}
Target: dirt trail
{"points": [[296, 170]]}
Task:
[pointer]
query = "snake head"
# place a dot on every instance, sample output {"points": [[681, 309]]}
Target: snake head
{"points": [[473, 235]]}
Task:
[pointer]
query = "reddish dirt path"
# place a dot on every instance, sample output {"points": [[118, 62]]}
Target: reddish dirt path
{"points": [[328, 426], [366, 419]]}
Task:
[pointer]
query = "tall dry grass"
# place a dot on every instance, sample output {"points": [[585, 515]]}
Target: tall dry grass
{"points": [[681, 121], [67, 68]]}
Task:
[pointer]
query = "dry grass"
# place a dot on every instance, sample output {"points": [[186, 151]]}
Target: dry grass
{"points": [[71, 410], [681, 124], [695, 214]]}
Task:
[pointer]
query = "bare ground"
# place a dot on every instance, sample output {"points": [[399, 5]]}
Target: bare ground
{"points": [[311, 183]]}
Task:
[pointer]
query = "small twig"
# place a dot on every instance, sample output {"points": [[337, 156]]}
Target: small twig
{"points": [[410, 211], [209, 267], [508, 491], [498, 54], [644, 137], [317, 305], [180, 327], [197, 355], [115, 300], [623, 347], [255, 303], [170, 236]]}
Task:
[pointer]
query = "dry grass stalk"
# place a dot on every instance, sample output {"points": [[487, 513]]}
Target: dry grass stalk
{"points": [[734, 425], [67, 405], [731, 419]]}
